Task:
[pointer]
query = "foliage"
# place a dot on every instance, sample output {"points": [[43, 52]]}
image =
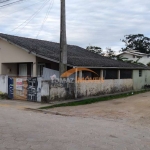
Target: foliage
{"points": [[3, 96], [137, 42], [148, 64], [110, 53], [95, 49]]}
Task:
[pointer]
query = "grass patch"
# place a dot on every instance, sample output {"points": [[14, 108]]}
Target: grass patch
{"points": [[3, 96], [94, 100]]}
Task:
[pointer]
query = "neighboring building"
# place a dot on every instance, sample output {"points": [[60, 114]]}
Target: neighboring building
{"points": [[135, 55], [24, 57]]}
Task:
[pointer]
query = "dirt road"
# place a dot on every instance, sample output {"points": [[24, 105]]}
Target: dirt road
{"points": [[134, 109], [121, 124]]}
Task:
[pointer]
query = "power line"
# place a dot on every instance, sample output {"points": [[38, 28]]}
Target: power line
{"points": [[31, 17], [47, 14], [3, 1], [20, 10], [11, 3]]}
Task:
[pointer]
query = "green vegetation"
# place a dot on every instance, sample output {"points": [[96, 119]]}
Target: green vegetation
{"points": [[137, 42], [3, 96], [94, 100]]}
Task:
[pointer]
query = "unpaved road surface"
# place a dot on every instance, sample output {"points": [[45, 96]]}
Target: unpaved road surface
{"points": [[134, 110], [121, 124]]}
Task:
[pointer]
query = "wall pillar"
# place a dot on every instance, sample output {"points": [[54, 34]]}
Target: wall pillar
{"points": [[35, 67], [80, 74], [101, 74], [76, 78], [0, 68], [118, 74]]}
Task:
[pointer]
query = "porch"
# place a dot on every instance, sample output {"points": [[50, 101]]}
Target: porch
{"points": [[27, 69]]}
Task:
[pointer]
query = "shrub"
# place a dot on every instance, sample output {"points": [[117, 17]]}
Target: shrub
{"points": [[3, 96]]}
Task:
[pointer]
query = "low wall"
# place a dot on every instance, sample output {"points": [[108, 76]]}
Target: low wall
{"points": [[45, 91], [56, 91], [95, 88], [3, 84]]}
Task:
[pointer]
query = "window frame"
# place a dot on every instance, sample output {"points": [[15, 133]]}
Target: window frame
{"points": [[140, 73]]}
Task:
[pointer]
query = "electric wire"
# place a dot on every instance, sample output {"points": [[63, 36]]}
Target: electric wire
{"points": [[20, 10], [31, 17], [45, 19], [4, 1], [12, 3]]}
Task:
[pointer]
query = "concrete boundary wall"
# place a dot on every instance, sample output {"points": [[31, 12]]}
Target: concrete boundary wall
{"points": [[3, 84], [58, 91], [95, 88]]}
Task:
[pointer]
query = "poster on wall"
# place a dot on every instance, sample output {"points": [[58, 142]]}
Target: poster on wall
{"points": [[19, 84]]}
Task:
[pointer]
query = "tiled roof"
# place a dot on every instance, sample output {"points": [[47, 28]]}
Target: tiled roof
{"points": [[77, 56]]}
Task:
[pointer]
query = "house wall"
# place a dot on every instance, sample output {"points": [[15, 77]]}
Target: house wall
{"points": [[148, 77], [12, 54], [9, 69], [139, 82], [129, 56], [3, 84], [144, 60]]}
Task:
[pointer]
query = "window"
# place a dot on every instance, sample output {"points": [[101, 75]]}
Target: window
{"points": [[22, 69], [139, 57], [125, 74], [40, 69], [111, 74], [140, 73]]}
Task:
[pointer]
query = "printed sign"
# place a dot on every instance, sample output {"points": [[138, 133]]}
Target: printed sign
{"points": [[19, 84]]}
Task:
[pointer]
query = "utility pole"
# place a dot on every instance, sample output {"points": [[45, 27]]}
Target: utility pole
{"points": [[63, 40]]}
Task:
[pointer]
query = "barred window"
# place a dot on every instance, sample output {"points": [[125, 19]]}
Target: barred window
{"points": [[111, 74], [140, 73], [125, 74]]}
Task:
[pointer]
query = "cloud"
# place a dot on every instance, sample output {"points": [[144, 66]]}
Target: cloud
{"points": [[99, 23]]}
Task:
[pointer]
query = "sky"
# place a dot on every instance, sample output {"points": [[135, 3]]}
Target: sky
{"points": [[89, 22]]}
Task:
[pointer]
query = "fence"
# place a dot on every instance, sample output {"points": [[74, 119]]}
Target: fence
{"points": [[37, 89]]}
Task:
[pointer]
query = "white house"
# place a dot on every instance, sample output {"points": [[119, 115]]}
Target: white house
{"points": [[135, 55], [22, 61]]}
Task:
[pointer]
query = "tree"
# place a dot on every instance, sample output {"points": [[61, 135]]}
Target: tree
{"points": [[95, 49], [137, 42], [110, 53], [148, 64]]}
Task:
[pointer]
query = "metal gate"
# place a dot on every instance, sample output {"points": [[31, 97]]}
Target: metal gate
{"points": [[32, 89], [23, 88], [10, 87]]}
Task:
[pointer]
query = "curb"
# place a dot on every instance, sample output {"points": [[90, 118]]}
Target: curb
{"points": [[46, 112]]}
